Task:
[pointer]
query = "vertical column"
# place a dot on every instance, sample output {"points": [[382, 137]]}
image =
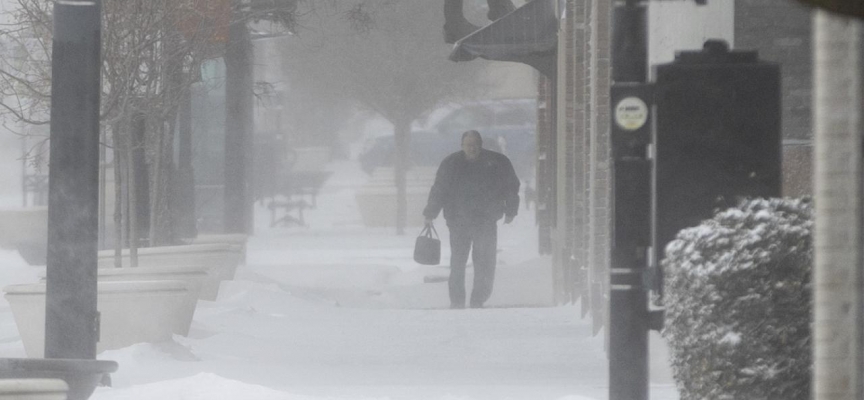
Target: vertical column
{"points": [[563, 254], [73, 199], [631, 209], [580, 159], [545, 164], [599, 172], [837, 274]]}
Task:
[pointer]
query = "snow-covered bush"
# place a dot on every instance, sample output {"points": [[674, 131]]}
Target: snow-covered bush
{"points": [[737, 296]]}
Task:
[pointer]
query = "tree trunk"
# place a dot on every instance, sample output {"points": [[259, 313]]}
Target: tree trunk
{"points": [[402, 130], [184, 183], [103, 187], [119, 161], [138, 187], [837, 332], [161, 223], [161, 215], [238, 128]]}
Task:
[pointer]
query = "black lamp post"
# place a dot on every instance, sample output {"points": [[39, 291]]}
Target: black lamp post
{"points": [[72, 324], [628, 306]]}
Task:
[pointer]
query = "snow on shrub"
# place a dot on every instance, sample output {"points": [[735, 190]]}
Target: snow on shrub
{"points": [[737, 296]]}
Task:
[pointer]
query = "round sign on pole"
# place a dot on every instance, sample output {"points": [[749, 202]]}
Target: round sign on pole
{"points": [[631, 113]]}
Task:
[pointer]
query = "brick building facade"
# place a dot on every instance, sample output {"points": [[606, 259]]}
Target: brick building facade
{"points": [[579, 234]]}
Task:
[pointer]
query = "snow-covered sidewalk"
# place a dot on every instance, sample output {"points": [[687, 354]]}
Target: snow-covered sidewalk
{"points": [[339, 311]]}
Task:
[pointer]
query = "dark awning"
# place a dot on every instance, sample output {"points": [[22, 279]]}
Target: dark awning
{"points": [[853, 8], [528, 35]]}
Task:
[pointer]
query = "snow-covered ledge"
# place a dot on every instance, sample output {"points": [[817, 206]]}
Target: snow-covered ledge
{"points": [[222, 260], [130, 312], [237, 239], [33, 389]]}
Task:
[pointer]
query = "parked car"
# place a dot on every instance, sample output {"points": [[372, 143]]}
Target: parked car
{"points": [[507, 126]]}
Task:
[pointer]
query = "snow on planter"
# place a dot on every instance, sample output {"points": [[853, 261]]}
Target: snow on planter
{"points": [[738, 303]]}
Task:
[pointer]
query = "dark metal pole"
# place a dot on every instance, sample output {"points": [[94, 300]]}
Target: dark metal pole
{"points": [[628, 313], [71, 316]]}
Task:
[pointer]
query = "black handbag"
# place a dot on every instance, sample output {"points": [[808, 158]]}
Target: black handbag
{"points": [[427, 249]]}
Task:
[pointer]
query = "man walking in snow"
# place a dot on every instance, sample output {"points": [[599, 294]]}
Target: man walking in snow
{"points": [[475, 187]]}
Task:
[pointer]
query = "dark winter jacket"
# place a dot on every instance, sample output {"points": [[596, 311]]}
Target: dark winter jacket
{"points": [[474, 191]]}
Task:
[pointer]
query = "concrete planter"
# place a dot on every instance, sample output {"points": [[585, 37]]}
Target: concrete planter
{"points": [[25, 230], [81, 376], [193, 276], [222, 260], [131, 312], [33, 389]]}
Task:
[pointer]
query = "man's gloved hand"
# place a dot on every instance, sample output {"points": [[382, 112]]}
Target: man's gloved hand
{"points": [[508, 219]]}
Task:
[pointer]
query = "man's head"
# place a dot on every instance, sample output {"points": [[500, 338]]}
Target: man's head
{"points": [[472, 143]]}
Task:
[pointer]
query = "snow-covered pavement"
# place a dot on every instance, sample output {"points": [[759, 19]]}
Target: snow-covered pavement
{"points": [[338, 311]]}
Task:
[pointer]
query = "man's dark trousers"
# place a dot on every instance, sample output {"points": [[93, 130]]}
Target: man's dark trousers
{"points": [[481, 239]]}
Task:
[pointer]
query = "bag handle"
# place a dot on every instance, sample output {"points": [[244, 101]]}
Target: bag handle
{"points": [[428, 230]]}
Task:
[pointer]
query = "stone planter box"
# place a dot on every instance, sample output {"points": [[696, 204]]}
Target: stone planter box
{"points": [[33, 389], [81, 376], [222, 260], [193, 276], [25, 230], [131, 312]]}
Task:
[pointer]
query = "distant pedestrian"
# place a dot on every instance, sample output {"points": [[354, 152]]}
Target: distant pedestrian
{"points": [[475, 187]]}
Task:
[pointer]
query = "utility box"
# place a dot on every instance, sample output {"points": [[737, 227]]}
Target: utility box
{"points": [[718, 137]]}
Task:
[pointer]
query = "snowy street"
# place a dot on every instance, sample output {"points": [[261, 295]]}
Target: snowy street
{"points": [[339, 311]]}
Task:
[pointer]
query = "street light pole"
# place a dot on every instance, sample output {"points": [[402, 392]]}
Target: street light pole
{"points": [[628, 306], [73, 196]]}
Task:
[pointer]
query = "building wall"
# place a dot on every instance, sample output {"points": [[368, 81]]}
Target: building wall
{"points": [[570, 247], [599, 174], [780, 31], [582, 230], [581, 147]]}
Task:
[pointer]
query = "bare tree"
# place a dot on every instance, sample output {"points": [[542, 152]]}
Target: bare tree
{"points": [[385, 56], [151, 52]]}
